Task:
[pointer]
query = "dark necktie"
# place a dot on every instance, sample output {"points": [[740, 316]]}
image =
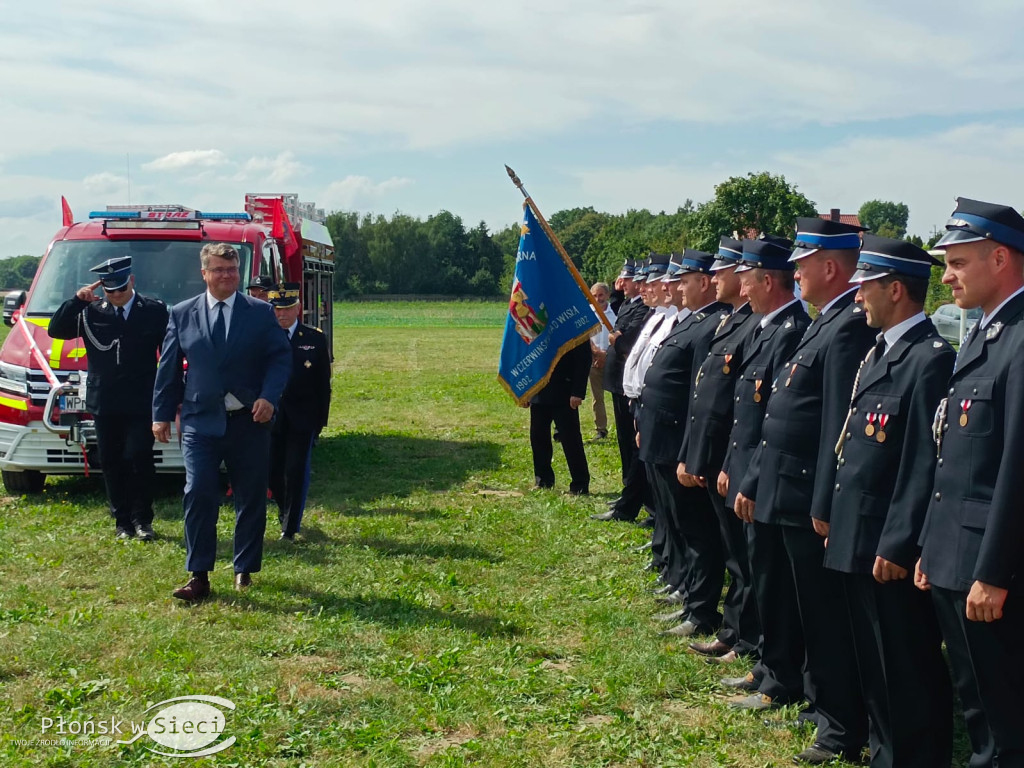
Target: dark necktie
{"points": [[120, 315], [219, 326], [880, 347]]}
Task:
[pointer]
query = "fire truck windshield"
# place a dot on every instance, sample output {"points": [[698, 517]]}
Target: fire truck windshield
{"points": [[164, 269]]}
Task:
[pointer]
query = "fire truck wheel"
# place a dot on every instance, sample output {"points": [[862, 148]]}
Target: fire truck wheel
{"points": [[29, 481]]}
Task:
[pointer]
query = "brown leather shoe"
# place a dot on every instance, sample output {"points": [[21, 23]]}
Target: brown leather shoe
{"points": [[715, 648], [242, 581], [194, 591]]}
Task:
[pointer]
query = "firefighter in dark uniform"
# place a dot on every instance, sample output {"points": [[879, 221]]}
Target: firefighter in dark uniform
{"points": [[629, 322], [559, 402], [662, 415], [122, 332], [704, 447], [260, 286], [302, 412], [883, 484], [973, 539], [792, 474], [766, 281]]}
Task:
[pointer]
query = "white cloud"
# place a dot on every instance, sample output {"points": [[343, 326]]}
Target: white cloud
{"points": [[358, 192], [188, 160], [105, 183], [272, 170]]}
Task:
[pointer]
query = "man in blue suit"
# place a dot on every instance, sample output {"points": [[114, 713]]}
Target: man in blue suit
{"points": [[239, 361]]}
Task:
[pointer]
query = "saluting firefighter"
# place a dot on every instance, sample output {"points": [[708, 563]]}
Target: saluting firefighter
{"points": [[884, 481], [973, 538], [122, 333], [302, 412]]}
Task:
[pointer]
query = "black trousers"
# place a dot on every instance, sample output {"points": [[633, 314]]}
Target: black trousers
{"points": [[741, 627], [828, 642], [903, 675], [988, 672], [290, 451], [567, 422], [125, 443], [667, 546], [635, 489], [782, 642]]}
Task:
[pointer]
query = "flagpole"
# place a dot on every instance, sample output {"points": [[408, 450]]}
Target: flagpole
{"points": [[558, 246]]}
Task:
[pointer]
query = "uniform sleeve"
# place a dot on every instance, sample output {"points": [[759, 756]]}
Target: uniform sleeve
{"points": [[169, 388], [1002, 546], [64, 323], [913, 489], [279, 359], [583, 358], [630, 333], [842, 360]]}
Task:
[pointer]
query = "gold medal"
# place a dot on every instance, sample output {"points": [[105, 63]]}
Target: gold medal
{"points": [[869, 430], [757, 397], [880, 437], [963, 419], [725, 368], [757, 390]]}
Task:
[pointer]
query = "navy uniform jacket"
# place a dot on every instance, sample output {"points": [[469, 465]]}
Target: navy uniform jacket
{"points": [[306, 400], [569, 378], [793, 470], [711, 407], [116, 388], [630, 321], [974, 530], [663, 408], [882, 488], [761, 365]]}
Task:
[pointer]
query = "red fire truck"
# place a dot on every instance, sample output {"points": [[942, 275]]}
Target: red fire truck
{"points": [[44, 428]]}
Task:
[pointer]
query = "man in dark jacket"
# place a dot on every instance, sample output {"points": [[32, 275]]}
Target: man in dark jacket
{"points": [[882, 488], [301, 413], [973, 538], [122, 333], [559, 402]]}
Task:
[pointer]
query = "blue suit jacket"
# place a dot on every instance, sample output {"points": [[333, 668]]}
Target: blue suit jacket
{"points": [[255, 362]]}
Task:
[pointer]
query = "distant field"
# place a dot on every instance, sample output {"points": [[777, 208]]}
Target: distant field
{"points": [[420, 314]]}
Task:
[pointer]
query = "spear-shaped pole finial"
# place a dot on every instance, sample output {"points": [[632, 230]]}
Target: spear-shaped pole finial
{"points": [[515, 180]]}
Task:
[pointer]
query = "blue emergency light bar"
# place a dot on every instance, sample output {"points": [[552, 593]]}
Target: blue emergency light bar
{"points": [[167, 215]]}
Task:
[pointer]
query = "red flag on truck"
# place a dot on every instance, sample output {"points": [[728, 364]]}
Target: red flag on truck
{"points": [[69, 219], [283, 230]]}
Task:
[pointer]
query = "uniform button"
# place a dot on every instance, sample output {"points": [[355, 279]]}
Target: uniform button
{"points": [[837, 486], [803, 471], [879, 406], [735, 422], [951, 390], [975, 390], [854, 410], [734, 445], [849, 436], [767, 415], [940, 462], [737, 399], [938, 497], [775, 389], [842, 462], [764, 442], [693, 418]]}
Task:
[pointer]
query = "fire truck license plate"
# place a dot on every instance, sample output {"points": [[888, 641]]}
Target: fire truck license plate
{"points": [[70, 403]]}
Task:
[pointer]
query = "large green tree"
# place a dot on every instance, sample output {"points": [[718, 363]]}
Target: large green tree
{"points": [[749, 205], [884, 217]]}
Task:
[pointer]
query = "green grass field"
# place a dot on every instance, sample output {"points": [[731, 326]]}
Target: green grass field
{"points": [[438, 613]]}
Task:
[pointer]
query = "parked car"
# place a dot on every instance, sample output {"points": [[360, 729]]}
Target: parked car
{"points": [[947, 321]]}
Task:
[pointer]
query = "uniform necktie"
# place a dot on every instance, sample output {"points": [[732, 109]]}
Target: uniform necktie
{"points": [[219, 326], [880, 347], [120, 315]]}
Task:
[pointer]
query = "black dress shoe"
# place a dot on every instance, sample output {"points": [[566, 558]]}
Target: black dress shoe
{"points": [[746, 683], [194, 591], [715, 648], [123, 534], [145, 532], [611, 514], [673, 598], [671, 616], [816, 754], [242, 581]]}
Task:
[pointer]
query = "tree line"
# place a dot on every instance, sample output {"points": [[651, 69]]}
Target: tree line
{"points": [[440, 255], [16, 273]]}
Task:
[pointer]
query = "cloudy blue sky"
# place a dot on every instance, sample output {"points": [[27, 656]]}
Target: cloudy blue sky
{"points": [[396, 105]]}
